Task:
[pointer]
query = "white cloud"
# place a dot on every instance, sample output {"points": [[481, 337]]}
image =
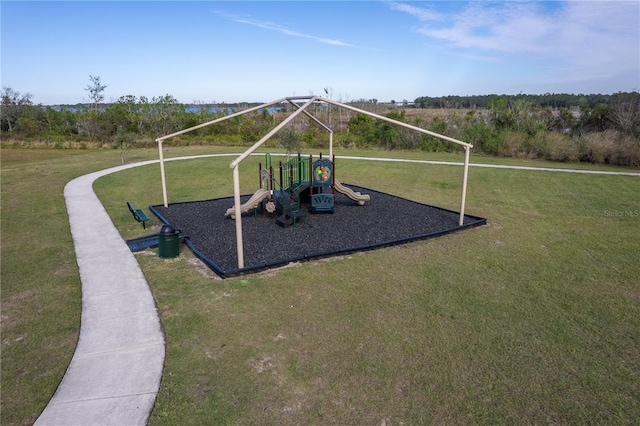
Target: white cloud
{"points": [[278, 28], [595, 39], [500, 27], [421, 13], [531, 27], [600, 33]]}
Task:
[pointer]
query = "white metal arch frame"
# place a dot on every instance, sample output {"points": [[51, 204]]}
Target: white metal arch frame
{"points": [[309, 100]]}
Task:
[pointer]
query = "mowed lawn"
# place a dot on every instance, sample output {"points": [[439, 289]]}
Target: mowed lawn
{"points": [[534, 318]]}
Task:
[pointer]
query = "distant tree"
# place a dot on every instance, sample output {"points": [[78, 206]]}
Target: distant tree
{"points": [[329, 92], [341, 111], [95, 91], [165, 114], [625, 112], [363, 126], [594, 119], [291, 140], [125, 114], [92, 123], [14, 106], [563, 121], [61, 121], [500, 113], [144, 123]]}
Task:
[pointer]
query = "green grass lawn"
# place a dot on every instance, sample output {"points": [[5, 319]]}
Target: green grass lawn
{"points": [[533, 318]]}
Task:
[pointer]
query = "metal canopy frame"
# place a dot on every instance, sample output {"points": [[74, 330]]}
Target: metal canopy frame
{"points": [[308, 100]]}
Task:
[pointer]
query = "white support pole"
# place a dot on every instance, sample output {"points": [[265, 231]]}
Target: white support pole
{"points": [[331, 144], [162, 176], [238, 213], [465, 175]]}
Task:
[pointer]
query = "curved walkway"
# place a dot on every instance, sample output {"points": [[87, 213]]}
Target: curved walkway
{"points": [[492, 166], [115, 372]]}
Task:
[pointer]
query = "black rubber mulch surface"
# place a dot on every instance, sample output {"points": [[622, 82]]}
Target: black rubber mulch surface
{"points": [[382, 221]]}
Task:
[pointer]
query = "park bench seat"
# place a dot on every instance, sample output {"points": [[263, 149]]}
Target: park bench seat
{"points": [[138, 214]]}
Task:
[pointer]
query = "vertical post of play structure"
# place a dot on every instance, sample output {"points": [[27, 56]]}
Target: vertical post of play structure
{"points": [[291, 176], [162, 177], [465, 175], [270, 179], [238, 213]]}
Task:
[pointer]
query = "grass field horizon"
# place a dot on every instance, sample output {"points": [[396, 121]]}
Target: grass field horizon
{"points": [[532, 318]]}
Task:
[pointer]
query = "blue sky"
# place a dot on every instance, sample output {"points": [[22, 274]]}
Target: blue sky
{"points": [[221, 51]]}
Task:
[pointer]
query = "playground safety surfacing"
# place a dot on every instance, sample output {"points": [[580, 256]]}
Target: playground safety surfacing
{"points": [[385, 220]]}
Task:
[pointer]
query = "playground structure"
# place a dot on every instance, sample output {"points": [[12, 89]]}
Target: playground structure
{"points": [[294, 182], [300, 109]]}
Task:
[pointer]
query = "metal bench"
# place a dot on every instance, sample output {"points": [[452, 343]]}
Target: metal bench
{"points": [[138, 214]]}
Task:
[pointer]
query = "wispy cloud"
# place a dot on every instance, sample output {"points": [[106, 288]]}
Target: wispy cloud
{"points": [[421, 13], [591, 37], [530, 27], [283, 30], [504, 28]]}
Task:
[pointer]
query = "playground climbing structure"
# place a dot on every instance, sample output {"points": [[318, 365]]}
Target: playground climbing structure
{"points": [[299, 180], [322, 198]]}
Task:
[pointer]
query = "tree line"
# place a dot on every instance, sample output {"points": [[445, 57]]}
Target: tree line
{"points": [[589, 128], [514, 127], [547, 100]]}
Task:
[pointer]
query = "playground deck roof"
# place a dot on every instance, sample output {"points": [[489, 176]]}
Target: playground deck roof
{"points": [[383, 221]]}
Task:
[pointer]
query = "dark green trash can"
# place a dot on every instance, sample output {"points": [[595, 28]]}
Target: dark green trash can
{"points": [[168, 242]]}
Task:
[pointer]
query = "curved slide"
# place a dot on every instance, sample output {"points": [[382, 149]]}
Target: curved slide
{"points": [[255, 199], [355, 196]]}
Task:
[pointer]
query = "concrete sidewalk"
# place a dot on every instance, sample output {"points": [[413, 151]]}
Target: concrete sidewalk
{"points": [[115, 373]]}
